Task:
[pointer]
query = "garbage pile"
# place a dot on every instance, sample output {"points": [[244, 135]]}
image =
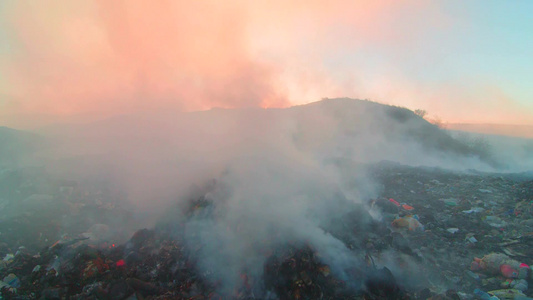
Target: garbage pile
{"points": [[431, 234], [478, 232], [38, 209]]}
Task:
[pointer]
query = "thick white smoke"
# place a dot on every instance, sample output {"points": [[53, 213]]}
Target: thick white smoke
{"points": [[280, 176]]}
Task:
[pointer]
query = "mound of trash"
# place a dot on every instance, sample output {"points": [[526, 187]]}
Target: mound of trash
{"points": [[431, 234]]}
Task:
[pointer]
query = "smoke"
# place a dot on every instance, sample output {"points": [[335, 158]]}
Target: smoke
{"points": [[100, 58], [237, 184], [125, 71], [89, 60], [262, 203]]}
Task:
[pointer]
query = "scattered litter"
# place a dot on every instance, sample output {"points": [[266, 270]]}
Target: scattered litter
{"points": [[394, 201], [450, 201], [484, 295], [407, 207], [409, 223], [495, 221], [497, 263], [472, 275], [474, 210], [471, 239], [12, 280], [9, 257], [520, 284], [37, 268], [506, 294], [452, 230], [87, 259]]}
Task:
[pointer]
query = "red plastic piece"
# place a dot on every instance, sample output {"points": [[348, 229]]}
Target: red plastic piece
{"points": [[508, 271], [121, 263]]}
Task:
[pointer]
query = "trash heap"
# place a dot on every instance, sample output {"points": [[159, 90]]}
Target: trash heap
{"points": [[430, 234], [477, 227]]}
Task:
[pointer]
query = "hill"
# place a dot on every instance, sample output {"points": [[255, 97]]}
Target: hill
{"points": [[389, 130], [358, 130], [16, 145]]}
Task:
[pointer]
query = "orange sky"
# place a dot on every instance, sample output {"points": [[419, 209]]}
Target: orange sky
{"points": [[65, 60]]}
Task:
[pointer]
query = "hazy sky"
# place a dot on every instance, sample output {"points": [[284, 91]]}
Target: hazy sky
{"points": [[462, 61]]}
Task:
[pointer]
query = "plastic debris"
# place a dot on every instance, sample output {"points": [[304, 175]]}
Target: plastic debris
{"points": [[506, 294], [519, 284], [452, 230], [472, 275], [523, 271], [471, 239], [508, 271], [451, 201], [409, 223], [12, 280], [496, 263], [9, 257], [395, 202], [120, 263], [474, 210], [402, 205], [164, 262], [407, 207], [495, 221], [484, 295]]}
